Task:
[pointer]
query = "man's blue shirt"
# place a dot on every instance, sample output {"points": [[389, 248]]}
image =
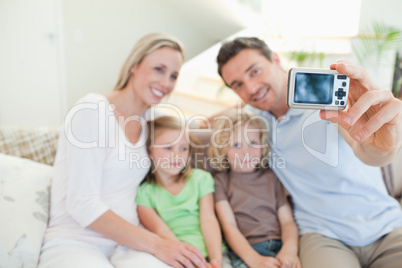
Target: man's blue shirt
{"points": [[334, 193]]}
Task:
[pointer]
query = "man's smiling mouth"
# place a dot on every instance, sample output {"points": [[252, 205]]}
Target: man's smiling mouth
{"points": [[261, 95]]}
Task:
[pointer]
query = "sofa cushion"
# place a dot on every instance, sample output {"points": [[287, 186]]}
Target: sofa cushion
{"points": [[24, 210], [35, 143]]}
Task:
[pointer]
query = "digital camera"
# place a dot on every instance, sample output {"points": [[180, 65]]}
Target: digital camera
{"points": [[319, 89]]}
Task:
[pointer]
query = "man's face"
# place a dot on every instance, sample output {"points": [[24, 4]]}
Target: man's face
{"points": [[258, 81]]}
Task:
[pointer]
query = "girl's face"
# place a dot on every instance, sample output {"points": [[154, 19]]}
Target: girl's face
{"points": [[244, 154], [155, 76], [170, 152]]}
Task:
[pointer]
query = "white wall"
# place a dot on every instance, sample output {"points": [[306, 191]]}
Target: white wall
{"points": [[100, 34], [94, 37], [30, 91], [387, 11], [86, 42]]}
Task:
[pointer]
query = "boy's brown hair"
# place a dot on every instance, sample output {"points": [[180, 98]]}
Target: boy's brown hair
{"points": [[227, 124]]}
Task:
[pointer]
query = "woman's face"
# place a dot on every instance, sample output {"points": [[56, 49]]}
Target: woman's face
{"points": [[170, 152], [244, 152], [155, 76]]}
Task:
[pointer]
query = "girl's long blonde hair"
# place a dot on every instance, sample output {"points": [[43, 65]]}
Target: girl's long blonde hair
{"points": [[227, 124], [143, 47], [170, 123]]}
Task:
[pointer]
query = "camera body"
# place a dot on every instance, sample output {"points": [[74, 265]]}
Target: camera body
{"points": [[319, 89]]}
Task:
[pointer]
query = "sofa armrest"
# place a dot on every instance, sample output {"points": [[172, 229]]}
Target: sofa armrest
{"points": [[396, 169]]}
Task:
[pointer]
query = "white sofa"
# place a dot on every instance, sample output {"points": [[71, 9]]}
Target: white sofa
{"points": [[26, 156]]}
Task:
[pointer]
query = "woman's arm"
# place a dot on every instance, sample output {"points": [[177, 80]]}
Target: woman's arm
{"points": [[210, 229], [176, 254], [290, 237], [236, 240], [153, 222]]}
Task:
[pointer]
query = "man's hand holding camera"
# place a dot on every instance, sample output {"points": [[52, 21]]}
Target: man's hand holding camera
{"points": [[372, 124]]}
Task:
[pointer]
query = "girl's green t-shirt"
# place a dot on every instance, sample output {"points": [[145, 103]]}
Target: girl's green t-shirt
{"points": [[180, 212]]}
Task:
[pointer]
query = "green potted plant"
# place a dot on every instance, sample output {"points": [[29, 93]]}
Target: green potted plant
{"points": [[370, 47]]}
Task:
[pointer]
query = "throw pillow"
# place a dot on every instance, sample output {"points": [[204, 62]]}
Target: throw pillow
{"points": [[24, 210]]}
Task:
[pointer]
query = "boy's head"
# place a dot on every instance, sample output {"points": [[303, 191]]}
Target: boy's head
{"points": [[239, 142]]}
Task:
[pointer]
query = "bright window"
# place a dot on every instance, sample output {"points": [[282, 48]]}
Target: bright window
{"points": [[312, 18], [301, 18]]}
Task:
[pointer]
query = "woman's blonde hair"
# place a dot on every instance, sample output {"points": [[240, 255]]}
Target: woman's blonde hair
{"points": [[170, 123], [227, 124], [142, 48]]}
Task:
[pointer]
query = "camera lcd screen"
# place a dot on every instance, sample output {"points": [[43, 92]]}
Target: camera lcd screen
{"points": [[313, 88]]}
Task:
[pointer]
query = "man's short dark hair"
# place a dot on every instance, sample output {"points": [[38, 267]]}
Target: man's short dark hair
{"points": [[230, 49]]}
